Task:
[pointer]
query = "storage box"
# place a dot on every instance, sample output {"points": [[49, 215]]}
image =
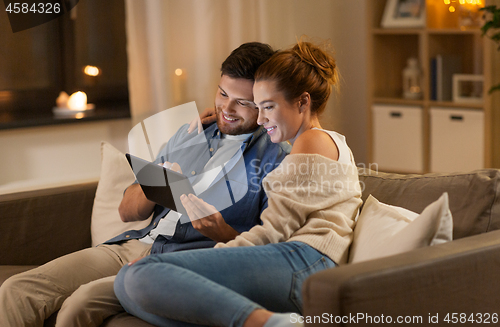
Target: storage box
{"points": [[457, 139], [398, 138]]}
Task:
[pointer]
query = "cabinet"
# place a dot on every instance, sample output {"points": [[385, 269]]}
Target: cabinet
{"points": [[451, 132], [388, 52], [391, 153]]}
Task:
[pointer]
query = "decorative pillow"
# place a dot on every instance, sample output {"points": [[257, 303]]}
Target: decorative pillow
{"points": [[116, 175], [383, 230]]}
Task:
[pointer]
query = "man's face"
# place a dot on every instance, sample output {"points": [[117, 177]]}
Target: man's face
{"points": [[236, 113]]}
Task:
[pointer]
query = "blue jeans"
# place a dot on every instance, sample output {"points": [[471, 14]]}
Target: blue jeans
{"points": [[218, 287]]}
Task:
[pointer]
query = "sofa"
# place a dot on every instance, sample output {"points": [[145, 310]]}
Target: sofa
{"points": [[451, 280]]}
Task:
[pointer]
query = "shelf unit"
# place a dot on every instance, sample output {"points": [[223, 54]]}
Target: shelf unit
{"points": [[388, 51]]}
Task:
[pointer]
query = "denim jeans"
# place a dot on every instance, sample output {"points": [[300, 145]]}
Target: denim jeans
{"points": [[218, 287]]}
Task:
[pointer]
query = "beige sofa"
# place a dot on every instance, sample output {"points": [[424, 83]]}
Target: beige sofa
{"points": [[455, 277]]}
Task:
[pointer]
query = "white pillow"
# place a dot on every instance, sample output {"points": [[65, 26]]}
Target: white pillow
{"points": [[116, 176], [383, 230]]}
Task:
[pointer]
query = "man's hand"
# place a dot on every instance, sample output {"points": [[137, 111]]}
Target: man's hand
{"points": [[134, 205], [172, 166], [206, 117], [207, 220]]}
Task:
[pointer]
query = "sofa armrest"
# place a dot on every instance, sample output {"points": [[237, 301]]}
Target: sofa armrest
{"points": [[41, 225], [456, 277]]}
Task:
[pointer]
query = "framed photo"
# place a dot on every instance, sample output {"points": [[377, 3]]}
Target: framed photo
{"points": [[404, 14], [468, 88]]}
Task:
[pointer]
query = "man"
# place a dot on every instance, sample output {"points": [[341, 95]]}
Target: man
{"points": [[81, 284]]}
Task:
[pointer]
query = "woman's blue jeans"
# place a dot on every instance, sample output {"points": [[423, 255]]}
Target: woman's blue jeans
{"points": [[218, 287]]}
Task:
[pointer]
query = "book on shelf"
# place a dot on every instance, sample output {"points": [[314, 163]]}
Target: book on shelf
{"points": [[443, 67]]}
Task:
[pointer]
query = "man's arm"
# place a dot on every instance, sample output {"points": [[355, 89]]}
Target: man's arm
{"points": [[135, 206]]}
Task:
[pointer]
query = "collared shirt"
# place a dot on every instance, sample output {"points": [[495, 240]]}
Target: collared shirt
{"points": [[229, 152], [244, 196]]}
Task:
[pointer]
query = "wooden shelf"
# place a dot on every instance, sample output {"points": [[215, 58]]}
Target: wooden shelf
{"points": [[458, 31], [395, 31], [388, 51], [398, 101], [449, 104]]}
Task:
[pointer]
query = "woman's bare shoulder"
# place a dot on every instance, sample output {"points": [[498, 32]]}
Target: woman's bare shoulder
{"points": [[315, 141]]}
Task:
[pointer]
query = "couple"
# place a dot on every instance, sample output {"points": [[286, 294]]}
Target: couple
{"points": [[291, 90], [306, 227]]}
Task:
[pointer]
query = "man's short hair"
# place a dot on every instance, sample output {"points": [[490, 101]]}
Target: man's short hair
{"points": [[244, 60]]}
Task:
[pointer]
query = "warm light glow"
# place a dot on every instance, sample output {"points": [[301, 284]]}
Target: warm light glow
{"points": [[79, 115], [451, 9], [462, 2], [91, 70], [447, 2], [178, 72], [78, 101]]}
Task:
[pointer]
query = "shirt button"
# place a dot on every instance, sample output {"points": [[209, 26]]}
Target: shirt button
{"points": [[127, 236], [193, 172], [211, 149]]}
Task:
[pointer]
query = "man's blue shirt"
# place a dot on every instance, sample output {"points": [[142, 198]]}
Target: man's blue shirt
{"points": [[192, 152]]}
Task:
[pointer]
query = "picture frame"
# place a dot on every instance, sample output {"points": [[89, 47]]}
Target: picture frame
{"points": [[468, 88], [404, 14]]}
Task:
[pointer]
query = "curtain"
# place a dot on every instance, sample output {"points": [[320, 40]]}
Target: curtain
{"points": [[196, 36]]}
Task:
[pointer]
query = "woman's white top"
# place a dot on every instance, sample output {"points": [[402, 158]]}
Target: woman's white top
{"points": [[345, 153]]}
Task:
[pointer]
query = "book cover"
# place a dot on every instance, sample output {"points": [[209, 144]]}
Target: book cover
{"points": [[446, 66], [433, 80]]}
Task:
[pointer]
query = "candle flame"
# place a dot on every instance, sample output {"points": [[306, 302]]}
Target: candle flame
{"points": [[91, 70], [78, 101]]}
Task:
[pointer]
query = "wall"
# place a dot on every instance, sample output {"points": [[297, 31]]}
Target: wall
{"points": [[71, 152], [350, 40], [197, 35], [48, 155]]}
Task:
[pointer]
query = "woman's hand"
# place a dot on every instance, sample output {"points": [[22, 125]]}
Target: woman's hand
{"points": [[207, 220], [206, 117]]}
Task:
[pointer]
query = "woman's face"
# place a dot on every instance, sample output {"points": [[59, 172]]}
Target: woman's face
{"points": [[282, 119]]}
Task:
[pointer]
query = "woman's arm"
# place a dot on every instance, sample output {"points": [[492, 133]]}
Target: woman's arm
{"points": [[304, 190]]}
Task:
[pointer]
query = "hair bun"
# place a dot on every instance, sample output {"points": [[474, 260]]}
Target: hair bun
{"points": [[318, 58]]}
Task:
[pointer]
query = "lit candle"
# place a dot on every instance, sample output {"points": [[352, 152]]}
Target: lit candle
{"points": [[78, 101], [179, 86], [91, 70]]}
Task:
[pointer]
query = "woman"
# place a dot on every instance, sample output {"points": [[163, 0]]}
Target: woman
{"points": [[313, 198]]}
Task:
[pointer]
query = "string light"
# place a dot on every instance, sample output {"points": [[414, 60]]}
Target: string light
{"points": [[452, 8]]}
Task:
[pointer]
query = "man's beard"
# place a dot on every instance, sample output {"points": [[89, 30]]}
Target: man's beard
{"points": [[238, 128]]}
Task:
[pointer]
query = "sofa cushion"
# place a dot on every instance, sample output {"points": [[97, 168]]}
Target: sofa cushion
{"points": [[125, 320], [39, 226], [383, 230], [116, 176], [473, 196]]}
